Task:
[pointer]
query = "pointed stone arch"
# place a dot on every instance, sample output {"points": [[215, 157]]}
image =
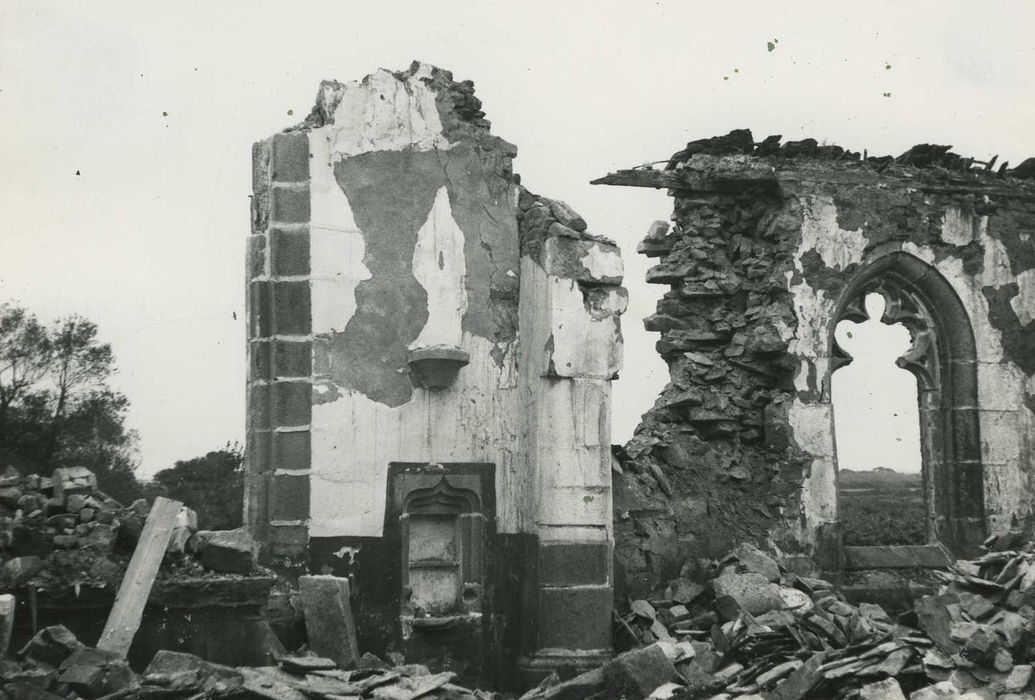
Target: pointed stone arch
{"points": [[943, 357]]}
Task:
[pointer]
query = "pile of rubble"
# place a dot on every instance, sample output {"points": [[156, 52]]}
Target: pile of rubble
{"points": [[924, 155], [55, 665], [745, 629], [62, 532]]}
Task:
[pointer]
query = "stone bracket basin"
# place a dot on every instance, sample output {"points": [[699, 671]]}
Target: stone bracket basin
{"points": [[436, 367]]}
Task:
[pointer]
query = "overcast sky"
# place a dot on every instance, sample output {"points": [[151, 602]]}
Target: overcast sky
{"points": [[126, 132]]}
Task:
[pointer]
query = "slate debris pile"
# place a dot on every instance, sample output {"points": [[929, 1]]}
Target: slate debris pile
{"points": [[743, 628], [55, 665], [924, 155], [62, 532]]}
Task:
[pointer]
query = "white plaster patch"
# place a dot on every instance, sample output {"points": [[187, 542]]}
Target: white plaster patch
{"points": [[838, 248], [603, 262], [384, 113], [812, 337], [1024, 303], [330, 207], [813, 427], [959, 229], [582, 346], [336, 245], [441, 268], [1000, 436], [996, 268], [1000, 386], [988, 339]]}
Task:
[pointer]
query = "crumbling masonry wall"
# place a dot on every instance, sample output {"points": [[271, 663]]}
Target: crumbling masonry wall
{"points": [[767, 245]]}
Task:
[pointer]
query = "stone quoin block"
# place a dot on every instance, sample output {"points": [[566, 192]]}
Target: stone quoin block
{"points": [[291, 308], [292, 403], [260, 361], [290, 252], [574, 564], [259, 407], [261, 166], [575, 618], [260, 309], [256, 256], [288, 540], [260, 451], [291, 450], [292, 359], [290, 497], [327, 605], [290, 158], [289, 205]]}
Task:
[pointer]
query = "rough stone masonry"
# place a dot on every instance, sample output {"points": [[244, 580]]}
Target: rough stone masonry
{"points": [[771, 246], [431, 352]]}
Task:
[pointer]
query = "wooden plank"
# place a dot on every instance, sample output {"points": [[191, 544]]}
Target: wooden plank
{"points": [[929, 556], [124, 619]]}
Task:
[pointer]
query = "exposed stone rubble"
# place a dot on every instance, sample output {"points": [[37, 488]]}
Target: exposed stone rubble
{"points": [[974, 639], [54, 664], [62, 532]]}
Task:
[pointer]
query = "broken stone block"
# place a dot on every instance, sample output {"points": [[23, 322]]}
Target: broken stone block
{"points": [[753, 592], [637, 673], [7, 604], [227, 551], [20, 569], [73, 480], [328, 618], [51, 646], [887, 689], [751, 559], [93, 673]]}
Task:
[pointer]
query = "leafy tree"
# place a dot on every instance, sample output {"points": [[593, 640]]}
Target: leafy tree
{"points": [[212, 485], [56, 407]]}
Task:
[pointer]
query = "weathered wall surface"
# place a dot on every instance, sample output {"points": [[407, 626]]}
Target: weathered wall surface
{"points": [[765, 246], [390, 223]]}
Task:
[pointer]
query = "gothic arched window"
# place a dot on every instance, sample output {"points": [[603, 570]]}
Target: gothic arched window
{"points": [[943, 358]]}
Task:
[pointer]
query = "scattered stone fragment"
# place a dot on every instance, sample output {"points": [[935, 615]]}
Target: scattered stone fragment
{"points": [[887, 689]]}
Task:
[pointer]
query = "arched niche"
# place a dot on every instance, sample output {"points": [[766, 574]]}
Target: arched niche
{"points": [[943, 357]]}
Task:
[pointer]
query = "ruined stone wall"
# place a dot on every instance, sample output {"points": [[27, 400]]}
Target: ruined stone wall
{"points": [[764, 251]]}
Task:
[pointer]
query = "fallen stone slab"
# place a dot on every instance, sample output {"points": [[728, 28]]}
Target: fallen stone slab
{"points": [[328, 618], [638, 672], [754, 593], [306, 664], [750, 559], [227, 551]]}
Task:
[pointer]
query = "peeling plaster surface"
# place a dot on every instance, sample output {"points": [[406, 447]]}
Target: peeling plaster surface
{"points": [[383, 113], [959, 229], [838, 248], [410, 235], [1024, 303]]}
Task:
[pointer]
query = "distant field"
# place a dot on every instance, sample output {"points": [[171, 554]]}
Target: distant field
{"points": [[881, 507]]}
